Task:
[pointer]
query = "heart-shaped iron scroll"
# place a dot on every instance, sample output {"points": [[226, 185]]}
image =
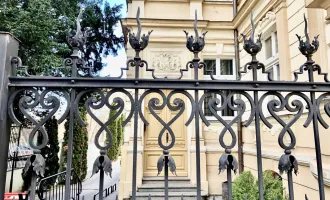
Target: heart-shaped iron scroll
{"points": [[275, 106], [216, 105], [155, 104], [46, 100], [326, 108], [97, 100]]}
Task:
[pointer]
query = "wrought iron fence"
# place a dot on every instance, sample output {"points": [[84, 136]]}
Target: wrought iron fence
{"points": [[291, 96]]}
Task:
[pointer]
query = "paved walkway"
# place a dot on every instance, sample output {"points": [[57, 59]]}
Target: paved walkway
{"points": [[90, 184]]}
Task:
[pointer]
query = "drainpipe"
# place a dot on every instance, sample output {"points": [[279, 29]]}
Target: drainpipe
{"points": [[239, 122]]}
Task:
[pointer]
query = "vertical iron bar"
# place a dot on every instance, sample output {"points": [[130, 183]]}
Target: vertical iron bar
{"points": [[198, 163], [317, 148], [33, 185], [229, 182], [166, 177], [12, 171], [101, 183], [70, 149], [136, 115], [318, 153], [290, 185], [258, 141]]}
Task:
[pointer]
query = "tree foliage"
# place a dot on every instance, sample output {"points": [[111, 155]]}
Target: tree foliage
{"points": [[80, 147], [42, 26], [246, 185], [117, 132]]}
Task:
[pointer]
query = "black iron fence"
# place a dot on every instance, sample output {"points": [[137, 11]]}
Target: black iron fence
{"points": [[241, 96], [52, 187]]}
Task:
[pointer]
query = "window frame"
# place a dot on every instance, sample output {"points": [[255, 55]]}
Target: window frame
{"points": [[218, 76]]}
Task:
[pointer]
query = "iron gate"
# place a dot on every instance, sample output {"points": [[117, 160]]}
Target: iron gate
{"points": [[57, 93]]}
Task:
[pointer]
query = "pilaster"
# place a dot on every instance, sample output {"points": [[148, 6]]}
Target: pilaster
{"points": [[283, 36]]}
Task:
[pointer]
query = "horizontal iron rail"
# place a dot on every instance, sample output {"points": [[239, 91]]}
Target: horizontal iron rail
{"points": [[169, 84]]}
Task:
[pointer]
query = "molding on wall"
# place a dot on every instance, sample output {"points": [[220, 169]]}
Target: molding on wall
{"points": [[303, 160], [326, 171]]}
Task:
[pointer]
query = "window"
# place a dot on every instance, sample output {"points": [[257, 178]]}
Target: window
{"points": [[271, 53], [274, 71], [221, 69], [269, 45]]}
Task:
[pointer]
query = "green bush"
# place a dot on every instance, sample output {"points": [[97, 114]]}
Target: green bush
{"points": [[80, 147], [246, 185], [117, 131]]}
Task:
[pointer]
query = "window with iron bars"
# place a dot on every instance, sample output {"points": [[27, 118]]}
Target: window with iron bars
{"points": [[221, 68]]}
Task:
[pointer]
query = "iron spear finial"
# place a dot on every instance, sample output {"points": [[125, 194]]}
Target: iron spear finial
{"points": [[196, 44], [137, 42], [307, 48], [251, 46]]}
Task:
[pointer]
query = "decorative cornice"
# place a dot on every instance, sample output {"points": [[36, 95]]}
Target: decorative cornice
{"points": [[261, 15], [279, 5], [268, 19], [177, 23], [326, 171]]}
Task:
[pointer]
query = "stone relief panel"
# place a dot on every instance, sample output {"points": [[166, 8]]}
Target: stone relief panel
{"points": [[166, 62]]}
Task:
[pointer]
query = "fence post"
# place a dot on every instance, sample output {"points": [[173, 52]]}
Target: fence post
{"points": [[9, 48]]}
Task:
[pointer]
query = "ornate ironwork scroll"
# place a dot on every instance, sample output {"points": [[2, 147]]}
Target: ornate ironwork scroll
{"points": [[67, 89]]}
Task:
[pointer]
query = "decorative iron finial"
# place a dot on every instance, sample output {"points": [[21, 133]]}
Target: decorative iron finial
{"points": [[77, 39], [306, 198], [161, 163], [287, 163], [196, 44], [104, 162], [228, 161], [250, 46], [307, 48], [136, 42]]}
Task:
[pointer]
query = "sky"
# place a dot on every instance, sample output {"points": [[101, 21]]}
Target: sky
{"points": [[114, 63]]}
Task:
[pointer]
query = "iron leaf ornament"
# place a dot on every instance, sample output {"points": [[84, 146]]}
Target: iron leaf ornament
{"points": [[307, 48], [36, 162], [171, 164], [104, 162], [228, 161], [197, 43], [250, 45], [287, 163], [137, 42]]}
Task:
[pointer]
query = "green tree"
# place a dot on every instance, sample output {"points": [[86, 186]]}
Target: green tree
{"points": [[112, 152], [42, 26], [80, 147], [120, 134], [247, 185]]}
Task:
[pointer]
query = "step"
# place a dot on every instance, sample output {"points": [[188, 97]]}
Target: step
{"points": [[171, 195], [171, 180], [175, 187]]}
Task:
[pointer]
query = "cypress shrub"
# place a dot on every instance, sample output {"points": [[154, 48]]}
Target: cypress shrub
{"points": [[80, 147], [112, 152]]}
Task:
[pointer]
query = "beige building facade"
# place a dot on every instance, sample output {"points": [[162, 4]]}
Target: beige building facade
{"points": [[278, 21]]}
